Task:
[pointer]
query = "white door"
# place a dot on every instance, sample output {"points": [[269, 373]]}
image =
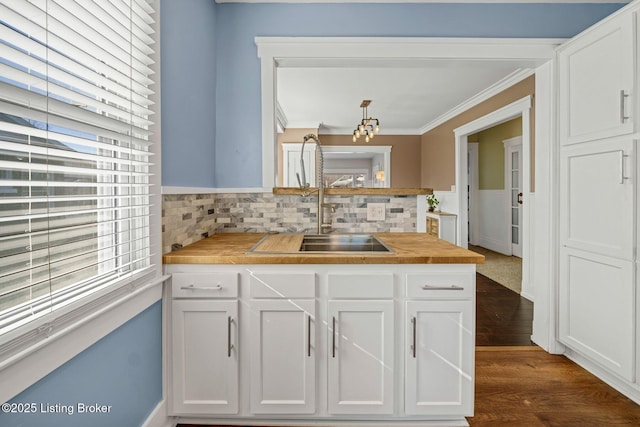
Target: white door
{"points": [[597, 197], [513, 184], [596, 83], [597, 297], [291, 166], [283, 356], [205, 357], [360, 353], [439, 358]]}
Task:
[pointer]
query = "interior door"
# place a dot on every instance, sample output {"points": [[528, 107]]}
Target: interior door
{"points": [[513, 183]]}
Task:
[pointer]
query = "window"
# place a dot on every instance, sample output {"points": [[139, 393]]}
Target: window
{"points": [[75, 149]]}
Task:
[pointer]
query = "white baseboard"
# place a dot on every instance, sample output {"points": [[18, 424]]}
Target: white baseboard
{"points": [[493, 245], [159, 417]]}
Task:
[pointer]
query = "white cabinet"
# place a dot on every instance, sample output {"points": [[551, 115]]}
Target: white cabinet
{"points": [[204, 356], [283, 349], [597, 205], [360, 356], [597, 82], [321, 344], [442, 225], [439, 358], [597, 298], [598, 316], [439, 343], [204, 335]]}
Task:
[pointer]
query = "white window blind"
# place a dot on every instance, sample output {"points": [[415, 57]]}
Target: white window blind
{"points": [[75, 151]]}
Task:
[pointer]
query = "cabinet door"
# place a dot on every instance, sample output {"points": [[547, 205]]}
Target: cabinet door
{"points": [[205, 359], [597, 197], [360, 353], [439, 358], [597, 314], [597, 83], [283, 356]]}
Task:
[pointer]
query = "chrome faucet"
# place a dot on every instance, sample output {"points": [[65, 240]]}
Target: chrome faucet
{"points": [[304, 185]]}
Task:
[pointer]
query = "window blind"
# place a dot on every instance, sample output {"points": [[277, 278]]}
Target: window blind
{"points": [[75, 151]]}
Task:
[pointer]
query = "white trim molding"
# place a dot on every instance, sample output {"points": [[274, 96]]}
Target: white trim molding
{"points": [[424, 1], [277, 52], [209, 190]]}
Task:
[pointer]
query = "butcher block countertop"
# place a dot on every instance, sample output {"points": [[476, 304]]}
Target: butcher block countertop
{"points": [[232, 248]]}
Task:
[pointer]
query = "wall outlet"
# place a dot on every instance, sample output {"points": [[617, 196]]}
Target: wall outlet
{"points": [[375, 212]]}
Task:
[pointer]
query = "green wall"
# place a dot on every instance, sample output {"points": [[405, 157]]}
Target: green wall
{"points": [[491, 152]]}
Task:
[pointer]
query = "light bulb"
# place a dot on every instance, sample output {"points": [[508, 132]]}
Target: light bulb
{"points": [[372, 135], [377, 128], [354, 138], [361, 127], [366, 139], [357, 133]]}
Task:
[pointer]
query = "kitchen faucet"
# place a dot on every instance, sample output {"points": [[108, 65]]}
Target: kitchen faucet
{"points": [[304, 185]]}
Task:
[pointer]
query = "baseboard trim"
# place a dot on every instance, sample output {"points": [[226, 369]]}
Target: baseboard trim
{"points": [[159, 417]]}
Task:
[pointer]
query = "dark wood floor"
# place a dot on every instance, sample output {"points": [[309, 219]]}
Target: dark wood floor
{"points": [[520, 385], [503, 317]]}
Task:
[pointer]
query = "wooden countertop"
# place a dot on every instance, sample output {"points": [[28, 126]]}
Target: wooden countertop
{"points": [[294, 191], [231, 248]]}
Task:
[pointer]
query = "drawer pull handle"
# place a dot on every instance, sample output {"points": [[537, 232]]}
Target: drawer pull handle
{"points": [[442, 288], [193, 287]]}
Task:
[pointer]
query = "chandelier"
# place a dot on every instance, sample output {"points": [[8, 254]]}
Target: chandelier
{"points": [[366, 125]]}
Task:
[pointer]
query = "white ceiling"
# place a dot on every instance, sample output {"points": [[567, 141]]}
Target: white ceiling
{"points": [[407, 96]]}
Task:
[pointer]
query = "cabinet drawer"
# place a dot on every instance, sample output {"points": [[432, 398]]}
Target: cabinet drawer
{"points": [[360, 285], [282, 285], [204, 285], [440, 285]]}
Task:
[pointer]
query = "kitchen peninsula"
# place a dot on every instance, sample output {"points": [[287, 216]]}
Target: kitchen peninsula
{"points": [[261, 332]]}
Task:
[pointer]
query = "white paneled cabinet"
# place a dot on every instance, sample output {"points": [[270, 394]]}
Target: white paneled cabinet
{"points": [[321, 343], [597, 82], [283, 356], [598, 316], [439, 359], [597, 206], [598, 112], [205, 361], [360, 356]]}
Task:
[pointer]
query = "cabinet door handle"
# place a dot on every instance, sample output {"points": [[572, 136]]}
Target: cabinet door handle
{"points": [[333, 338], [413, 345], [442, 288], [622, 177], [309, 335], [623, 116], [229, 345], [193, 287]]}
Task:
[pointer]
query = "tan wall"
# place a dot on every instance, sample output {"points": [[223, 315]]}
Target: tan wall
{"points": [[491, 153], [405, 155], [438, 145], [290, 135]]}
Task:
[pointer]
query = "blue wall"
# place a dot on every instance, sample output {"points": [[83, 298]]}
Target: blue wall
{"points": [[208, 52], [188, 61], [123, 369]]}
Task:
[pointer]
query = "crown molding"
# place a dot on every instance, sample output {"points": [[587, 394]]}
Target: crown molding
{"points": [[513, 78]]}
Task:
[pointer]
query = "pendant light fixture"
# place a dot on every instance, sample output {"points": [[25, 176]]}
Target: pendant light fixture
{"points": [[365, 127]]}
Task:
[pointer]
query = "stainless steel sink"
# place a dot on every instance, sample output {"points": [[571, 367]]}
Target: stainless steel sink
{"points": [[343, 243]]}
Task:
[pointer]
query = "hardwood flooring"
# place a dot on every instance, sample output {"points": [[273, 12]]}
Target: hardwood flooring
{"points": [[503, 317], [520, 385], [527, 387]]}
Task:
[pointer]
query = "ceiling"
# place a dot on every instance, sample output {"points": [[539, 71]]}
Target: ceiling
{"points": [[406, 96]]}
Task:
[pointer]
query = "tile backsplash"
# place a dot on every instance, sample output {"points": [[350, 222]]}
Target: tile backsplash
{"points": [[189, 218]]}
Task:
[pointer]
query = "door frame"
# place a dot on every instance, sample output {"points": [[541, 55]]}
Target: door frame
{"points": [[474, 186]]}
